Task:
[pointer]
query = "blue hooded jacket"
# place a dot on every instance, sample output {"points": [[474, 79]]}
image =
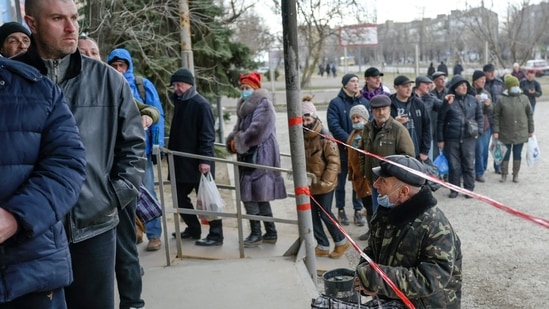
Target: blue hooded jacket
{"points": [[155, 134]]}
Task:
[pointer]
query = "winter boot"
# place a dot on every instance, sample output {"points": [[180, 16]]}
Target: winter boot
{"points": [[342, 217], [516, 169], [254, 239], [270, 236], [504, 171]]}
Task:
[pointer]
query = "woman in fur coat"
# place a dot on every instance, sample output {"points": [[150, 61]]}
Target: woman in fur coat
{"points": [[254, 136]]}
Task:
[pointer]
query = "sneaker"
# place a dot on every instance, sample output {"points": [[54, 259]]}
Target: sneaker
{"points": [[342, 217], [359, 220], [321, 252], [480, 179], [154, 244], [339, 250]]}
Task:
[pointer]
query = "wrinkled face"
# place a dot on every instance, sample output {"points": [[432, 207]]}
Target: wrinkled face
{"points": [[180, 88], [489, 75], [388, 186], [120, 66], [404, 91], [357, 119], [480, 82], [352, 85], [14, 44], [89, 48], [55, 28], [439, 81], [423, 88], [373, 82], [381, 114], [461, 89]]}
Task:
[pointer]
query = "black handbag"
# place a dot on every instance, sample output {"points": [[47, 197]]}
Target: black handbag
{"points": [[248, 157]]}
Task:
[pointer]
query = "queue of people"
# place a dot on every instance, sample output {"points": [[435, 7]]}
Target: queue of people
{"points": [[96, 243]]}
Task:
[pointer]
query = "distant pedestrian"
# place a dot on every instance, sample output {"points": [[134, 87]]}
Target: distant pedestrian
{"points": [[328, 69], [443, 68], [320, 69], [531, 88], [458, 69], [334, 70], [517, 72], [431, 70]]}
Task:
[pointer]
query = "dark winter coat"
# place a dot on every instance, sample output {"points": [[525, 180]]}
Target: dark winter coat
{"points": [[192, 131], [526, 85], [513, 118], [495, 87], [419, 123], [452, 117], [112, 133], [416, 246], [256, 126], [338, 119], [43, 166], [322, 158]]}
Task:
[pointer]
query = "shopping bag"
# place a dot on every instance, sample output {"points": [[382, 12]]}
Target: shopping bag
{"points": [[442, 164], [147, 207], [532, 152], [208, 197], [498, 151]]}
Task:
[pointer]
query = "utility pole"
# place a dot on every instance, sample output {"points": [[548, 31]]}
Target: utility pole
{"points": [[295, 123], [185, 22]]}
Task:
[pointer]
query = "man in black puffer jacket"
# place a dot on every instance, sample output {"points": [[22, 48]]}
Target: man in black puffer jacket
{"points": [[452, 134], [43, 166]]}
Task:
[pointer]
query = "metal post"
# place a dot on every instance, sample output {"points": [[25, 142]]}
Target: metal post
{"points": [[186, 46], [295, 123]]}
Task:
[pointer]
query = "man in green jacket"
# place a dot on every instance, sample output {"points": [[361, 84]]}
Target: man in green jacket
{"points": [[412, 241]]}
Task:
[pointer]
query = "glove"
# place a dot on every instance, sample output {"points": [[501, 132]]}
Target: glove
{"points": [[231, 146]]}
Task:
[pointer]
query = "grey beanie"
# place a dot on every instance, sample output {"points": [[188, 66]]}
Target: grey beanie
{"points": [[359, 110], [182, 75]]}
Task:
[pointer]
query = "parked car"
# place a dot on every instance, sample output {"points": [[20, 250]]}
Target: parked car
{"points": [[539, 66]]}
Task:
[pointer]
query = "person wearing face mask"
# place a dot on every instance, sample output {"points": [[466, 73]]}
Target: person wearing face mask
{"points": [[363, 188], [513, 124], [255, 134], [322, 160], [412, 241]]}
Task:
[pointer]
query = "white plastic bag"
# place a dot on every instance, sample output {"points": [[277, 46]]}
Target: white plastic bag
{"points": [[532, 152], [208, 197]]}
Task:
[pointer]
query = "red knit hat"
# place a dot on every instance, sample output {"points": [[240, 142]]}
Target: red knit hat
{"points": [[253, 80]]}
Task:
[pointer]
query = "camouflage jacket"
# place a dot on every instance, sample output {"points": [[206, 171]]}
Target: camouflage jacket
{"points": [[415, 245]]}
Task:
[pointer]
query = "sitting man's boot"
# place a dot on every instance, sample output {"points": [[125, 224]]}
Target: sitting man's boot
{"points": [[516, 169], [254, 239]]}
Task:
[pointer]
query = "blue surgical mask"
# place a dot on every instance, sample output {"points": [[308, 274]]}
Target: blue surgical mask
{"points": [[384, 200], [245, 94], [514, 90], [358, 126]]}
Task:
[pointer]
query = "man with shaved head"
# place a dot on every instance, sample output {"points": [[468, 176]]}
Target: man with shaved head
{"points": [[113, 136]]}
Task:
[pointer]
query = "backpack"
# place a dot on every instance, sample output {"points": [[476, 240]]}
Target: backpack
{"points": [[141, 88]]}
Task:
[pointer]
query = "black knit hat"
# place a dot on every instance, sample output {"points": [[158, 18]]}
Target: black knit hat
{"points": [[12, 27], [347, 77], [478, 74], [182, 75]]}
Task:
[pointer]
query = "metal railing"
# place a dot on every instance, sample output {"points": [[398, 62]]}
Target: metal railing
{"points": [[239, 216]]}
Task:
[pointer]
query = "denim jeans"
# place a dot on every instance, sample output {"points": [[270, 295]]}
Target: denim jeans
{"points": [[153, 227], [516, 149], [340, 190], [481, 153], [127, 268], [93, 267], [324, 201], [54, 299]]}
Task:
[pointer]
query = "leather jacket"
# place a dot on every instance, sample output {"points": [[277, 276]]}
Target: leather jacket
{"points": [[110, 127]]}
